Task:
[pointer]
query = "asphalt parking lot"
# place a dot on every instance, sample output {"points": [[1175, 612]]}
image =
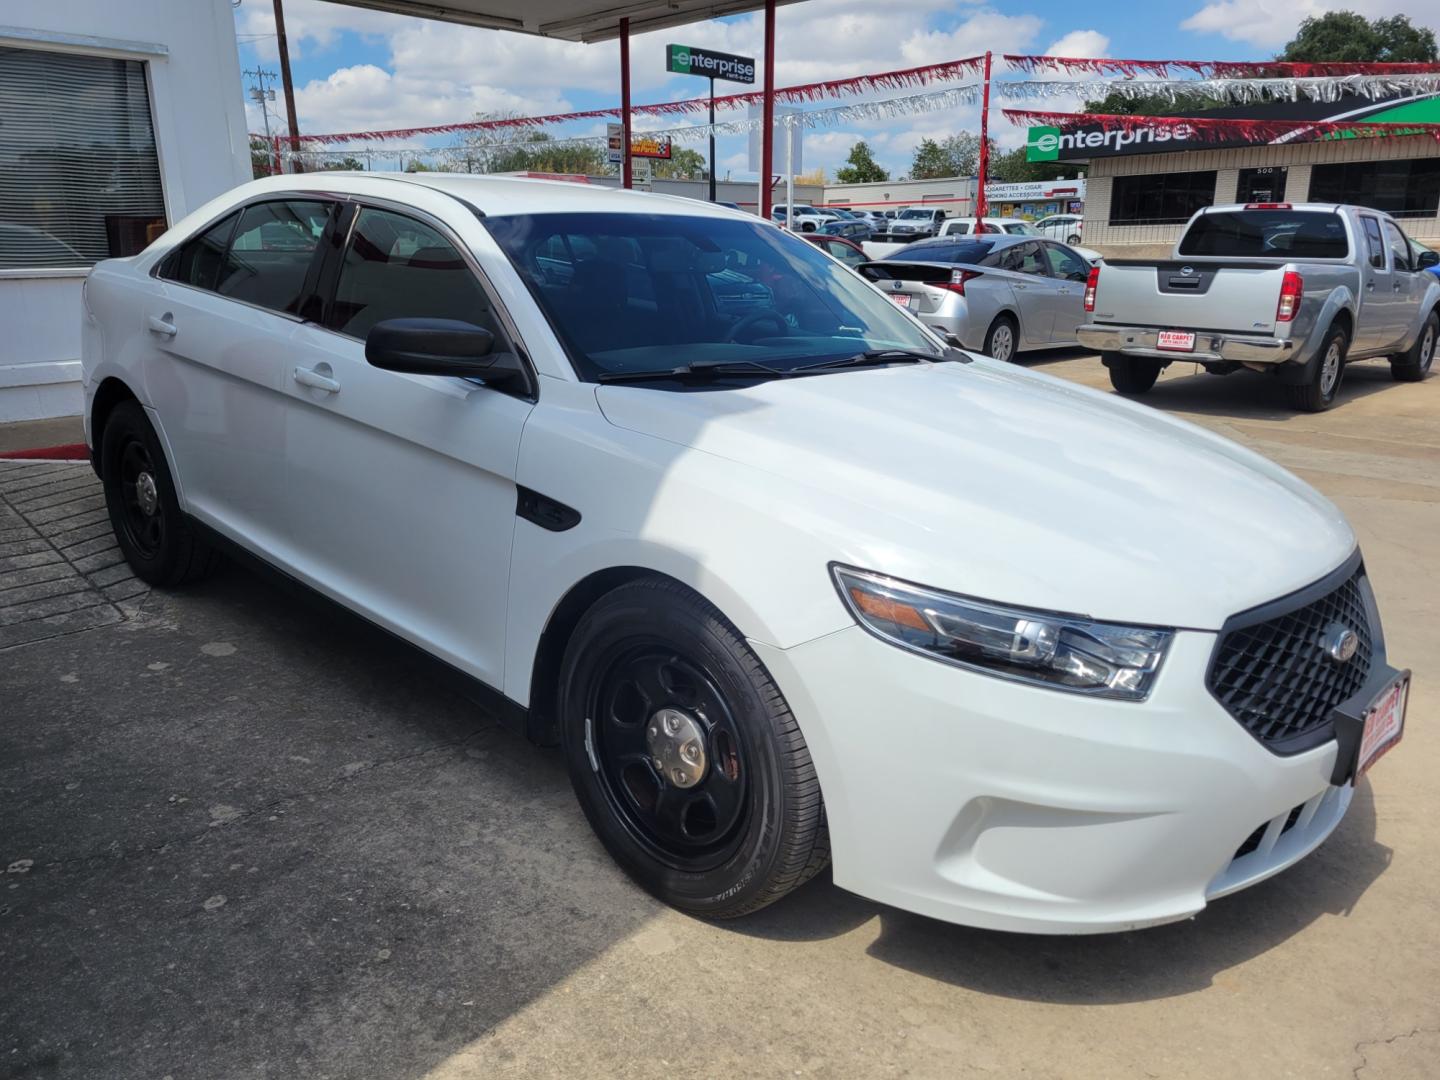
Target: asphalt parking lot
{"points": [[244, 838]]}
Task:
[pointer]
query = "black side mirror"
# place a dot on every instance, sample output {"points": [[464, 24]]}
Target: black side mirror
{"points": [[1427, 259], [439, 347]]}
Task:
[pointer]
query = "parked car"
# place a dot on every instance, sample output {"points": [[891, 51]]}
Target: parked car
{"points": [[847, 251], [847, 225], [1067, 227], [916, 223], [1294, 291], [807, 218], [998, 294], [782, 580], [965, 226]]}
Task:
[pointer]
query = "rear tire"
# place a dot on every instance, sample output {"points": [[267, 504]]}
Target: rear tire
{"points": [[155, 536], [1132, 374], [1414, 365], [1073, 239], [1002, 339], [740, 822], [1318, 392]]}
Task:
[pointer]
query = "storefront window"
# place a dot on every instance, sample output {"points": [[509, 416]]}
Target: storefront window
{"points": [[79, 176], [1402, 188], [1166, 199]]}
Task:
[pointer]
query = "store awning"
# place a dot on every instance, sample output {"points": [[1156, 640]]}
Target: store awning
{"points": [[569, 20]]}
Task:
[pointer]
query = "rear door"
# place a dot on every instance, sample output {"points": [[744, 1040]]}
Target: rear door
{"points": [[1036, 292], [400, 489], [222, 328]]}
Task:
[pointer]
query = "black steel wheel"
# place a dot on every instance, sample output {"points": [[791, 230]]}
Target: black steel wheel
{"points": [[154, 535], [684, 756]]}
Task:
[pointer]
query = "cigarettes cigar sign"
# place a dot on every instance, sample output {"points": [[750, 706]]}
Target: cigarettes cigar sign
{"points": [[685, 60]]}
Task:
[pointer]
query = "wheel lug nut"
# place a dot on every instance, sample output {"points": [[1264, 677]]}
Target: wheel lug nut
{"points": [[679, 775], [672, 725]]}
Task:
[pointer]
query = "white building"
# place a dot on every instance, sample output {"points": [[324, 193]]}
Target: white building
{"points": [[116, 118]]}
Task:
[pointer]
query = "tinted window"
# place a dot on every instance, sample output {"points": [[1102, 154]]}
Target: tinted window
{"points": [[197, 262], [845, 253], [662, 289], [1396, 187], [1243, 234], [1065, 264], [960, 251], [1374, 246], [271, 252], [1399, 246], [1165, 198], [397, 267], [1023, 259]]}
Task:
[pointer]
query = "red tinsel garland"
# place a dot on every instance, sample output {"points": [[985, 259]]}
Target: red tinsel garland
{"points": [[1214, 129], [817, 91], [1212, 69]]}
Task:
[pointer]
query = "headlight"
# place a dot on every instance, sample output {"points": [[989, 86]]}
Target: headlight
{"points": [[1061, 651]]}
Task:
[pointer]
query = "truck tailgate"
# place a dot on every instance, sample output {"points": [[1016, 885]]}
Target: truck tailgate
{"points": [[1202, 295]]}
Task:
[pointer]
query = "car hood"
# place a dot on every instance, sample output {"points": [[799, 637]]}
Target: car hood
{"points": [[996, 482]]}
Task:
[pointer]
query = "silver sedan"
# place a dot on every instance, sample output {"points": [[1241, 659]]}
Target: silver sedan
{"points": [[997, 295]]}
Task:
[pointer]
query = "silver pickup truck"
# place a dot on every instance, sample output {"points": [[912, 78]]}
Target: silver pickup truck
{"points": [[1293, 291]]}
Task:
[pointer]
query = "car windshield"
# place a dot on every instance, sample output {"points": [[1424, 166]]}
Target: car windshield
{"points": [[911, 215], [1304, 234], [959, 251], [652, 292]]}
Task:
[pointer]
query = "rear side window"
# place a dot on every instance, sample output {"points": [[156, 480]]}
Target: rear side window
{"points": [[1252, 234], [197, 261], [1374, 246], [400, 268], [271, 252]]}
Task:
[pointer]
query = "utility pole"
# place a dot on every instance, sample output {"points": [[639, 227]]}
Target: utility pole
{"points": [[712, 138], [284, 48], [260, 94]]}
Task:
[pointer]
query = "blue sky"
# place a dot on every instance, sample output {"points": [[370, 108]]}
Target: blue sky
{"points": [[363, 70]]}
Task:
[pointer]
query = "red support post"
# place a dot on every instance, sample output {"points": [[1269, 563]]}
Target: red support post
{"points": [[625, 174], [981, 208], [767, 129]]}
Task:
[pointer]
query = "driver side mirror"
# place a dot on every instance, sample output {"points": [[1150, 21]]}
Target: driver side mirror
{"points": [[440, 347], [1427, 259]]}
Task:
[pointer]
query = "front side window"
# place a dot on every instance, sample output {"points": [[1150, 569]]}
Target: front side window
{"points": [[1065, 264], [79, 174], [397, 268], [662, 290], [271, 252], [1399, 246], [845, 253]]}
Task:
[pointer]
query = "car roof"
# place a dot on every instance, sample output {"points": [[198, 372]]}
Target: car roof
{"points": [[997, 239]]}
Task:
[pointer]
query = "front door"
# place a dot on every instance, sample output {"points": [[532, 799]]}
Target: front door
{"points": [[1401, 311], [1070, 273], [400, 488], [221, 328]]}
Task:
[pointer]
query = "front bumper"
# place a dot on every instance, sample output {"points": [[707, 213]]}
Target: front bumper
{"points": [[994, 804], [1210, 347]]}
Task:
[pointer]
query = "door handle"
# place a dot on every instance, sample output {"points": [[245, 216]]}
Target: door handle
{"points": [[161, 324], [316, 380]]}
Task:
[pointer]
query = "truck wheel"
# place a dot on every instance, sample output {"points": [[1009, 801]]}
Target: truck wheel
{"points": [[1132, 374], [1000, 339], [1414, 365], [685, 758], [156, 539], [1318, 392]]}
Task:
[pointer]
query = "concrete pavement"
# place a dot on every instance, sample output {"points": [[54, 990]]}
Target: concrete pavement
{"points": [[246, 838]]}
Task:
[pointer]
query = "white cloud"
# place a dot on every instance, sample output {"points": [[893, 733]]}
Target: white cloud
{"points": [[1269, 24]]}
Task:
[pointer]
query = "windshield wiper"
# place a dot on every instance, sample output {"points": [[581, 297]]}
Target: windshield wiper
{"points": [[700, 369], [877, 357]]}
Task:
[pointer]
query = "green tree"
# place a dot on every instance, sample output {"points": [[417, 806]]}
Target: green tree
{"points": [[683, 164], [862, 168], [1012, 168], [346, 164], [1117, 104], [954, 155], [1344, 36], [416, 165]]}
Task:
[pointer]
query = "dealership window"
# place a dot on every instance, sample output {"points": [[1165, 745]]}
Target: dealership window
{"points": [[1402, 188], [1164, 199], [79, 176]]}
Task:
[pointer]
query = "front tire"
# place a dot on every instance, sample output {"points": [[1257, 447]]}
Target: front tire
{"points": [[1001, 339], [1317, 393], [1132, 374], [1073, 239], [154, 535], [1414, 365], [684, 756]]}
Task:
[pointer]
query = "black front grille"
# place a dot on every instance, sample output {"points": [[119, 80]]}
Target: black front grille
{"points": [[1275, 675]]}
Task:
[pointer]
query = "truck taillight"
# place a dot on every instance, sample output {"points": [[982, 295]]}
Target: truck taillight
{"points": [[958, 278], [1090, 285], [1292, 287]]}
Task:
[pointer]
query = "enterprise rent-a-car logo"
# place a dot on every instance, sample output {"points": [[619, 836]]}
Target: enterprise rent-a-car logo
{"points": [[1047, 143], [684, 60]]}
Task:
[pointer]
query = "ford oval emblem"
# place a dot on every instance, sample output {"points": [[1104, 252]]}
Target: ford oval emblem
{"points": [[1340, 643], [1187, 270]]}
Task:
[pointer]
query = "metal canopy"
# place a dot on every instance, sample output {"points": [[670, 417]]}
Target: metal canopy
{"points": [[569, 20]]}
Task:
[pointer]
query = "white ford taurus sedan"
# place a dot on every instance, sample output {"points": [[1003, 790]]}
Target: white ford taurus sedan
{"points": [[786, 578]]}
